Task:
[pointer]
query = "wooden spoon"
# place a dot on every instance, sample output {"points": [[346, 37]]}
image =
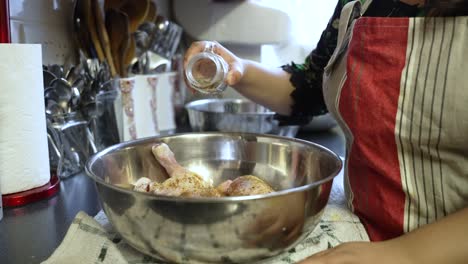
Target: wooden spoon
{"points": [[136, 11], [91, 27], [117, 28], [103, 36], [115, 4], [129, 54], [81, 35], [124, 47], [152, 13]]}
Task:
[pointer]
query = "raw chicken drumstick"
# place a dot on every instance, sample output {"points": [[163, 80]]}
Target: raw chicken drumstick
{"points": [[183, 182]]}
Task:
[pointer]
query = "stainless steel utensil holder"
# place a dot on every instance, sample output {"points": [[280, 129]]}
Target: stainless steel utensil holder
{"points": [[70, 144]]}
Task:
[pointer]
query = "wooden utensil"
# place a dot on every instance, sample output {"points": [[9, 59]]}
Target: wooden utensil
{"points": [[124, 47], [81, 35], [129, 54], [136, 11], [115, 4], [103, 36], [91, 27], [152, 13], [117, 28]]}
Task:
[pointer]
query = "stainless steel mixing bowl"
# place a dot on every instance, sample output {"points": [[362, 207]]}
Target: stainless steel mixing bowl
{"points": [[217, 230], [235, 115]]}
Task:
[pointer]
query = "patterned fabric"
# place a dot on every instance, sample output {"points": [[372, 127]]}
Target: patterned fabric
{"points": [[402, 105], [94, 240], [307, 76], [431, 128], [91, 240]]}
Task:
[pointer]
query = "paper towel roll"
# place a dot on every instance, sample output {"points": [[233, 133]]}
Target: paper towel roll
{"points": [[24, 159]]}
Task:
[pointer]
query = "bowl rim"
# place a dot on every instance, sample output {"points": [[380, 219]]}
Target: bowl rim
{"points": [[130, 143], [190, 106]]}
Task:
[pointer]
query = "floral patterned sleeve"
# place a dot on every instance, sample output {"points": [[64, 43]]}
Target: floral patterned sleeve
{"points": [[307, 77]]}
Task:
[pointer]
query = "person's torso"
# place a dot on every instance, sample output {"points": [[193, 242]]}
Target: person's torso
{"points": [[401, 105]]}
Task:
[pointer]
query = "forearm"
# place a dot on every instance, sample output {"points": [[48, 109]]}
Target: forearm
{"points": [[445, 241], [267, 86]]}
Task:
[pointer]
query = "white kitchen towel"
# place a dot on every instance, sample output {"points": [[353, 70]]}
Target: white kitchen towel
{"points": [[24, 154], [93, 240]]}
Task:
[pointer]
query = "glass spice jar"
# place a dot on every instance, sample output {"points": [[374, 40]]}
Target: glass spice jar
{"points": [[206, 72]]}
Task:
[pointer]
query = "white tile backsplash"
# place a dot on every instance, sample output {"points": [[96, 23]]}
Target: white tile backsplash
{"points": [[45, 22]]}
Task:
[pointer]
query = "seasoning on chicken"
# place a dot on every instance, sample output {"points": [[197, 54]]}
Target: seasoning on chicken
{"points": [[247, 185], [182, 182]]}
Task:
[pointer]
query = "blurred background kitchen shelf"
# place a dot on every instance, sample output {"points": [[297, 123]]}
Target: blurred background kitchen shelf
{"points": [[91, 47], [281, 31], [49, 22]]}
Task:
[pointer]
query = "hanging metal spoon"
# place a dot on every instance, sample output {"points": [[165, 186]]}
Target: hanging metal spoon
{"points": [[48, 77], [53, 109], [63, 90], [56, 70]]}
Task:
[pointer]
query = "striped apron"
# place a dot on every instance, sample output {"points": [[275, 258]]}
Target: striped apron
{"points": [[398, 87]]}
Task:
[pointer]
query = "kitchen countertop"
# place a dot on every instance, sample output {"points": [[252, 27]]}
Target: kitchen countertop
{"points": [[30, 234]]}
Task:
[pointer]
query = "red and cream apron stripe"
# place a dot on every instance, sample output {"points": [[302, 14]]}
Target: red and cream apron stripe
{"points": [[428, 93], [368, 105], [398, 88]]}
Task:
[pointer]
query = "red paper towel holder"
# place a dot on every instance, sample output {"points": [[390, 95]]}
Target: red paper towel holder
{"points": [[33, 195], [5, 21], [52, 187]]}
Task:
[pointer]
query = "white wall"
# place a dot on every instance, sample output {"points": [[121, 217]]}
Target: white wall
{"points": [[310, 18], [163, 7], [47, 22]]}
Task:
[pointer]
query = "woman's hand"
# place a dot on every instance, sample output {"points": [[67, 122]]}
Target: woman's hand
{"points": [[359, 253], [236, 68], [268, 86], [443, 241]]}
